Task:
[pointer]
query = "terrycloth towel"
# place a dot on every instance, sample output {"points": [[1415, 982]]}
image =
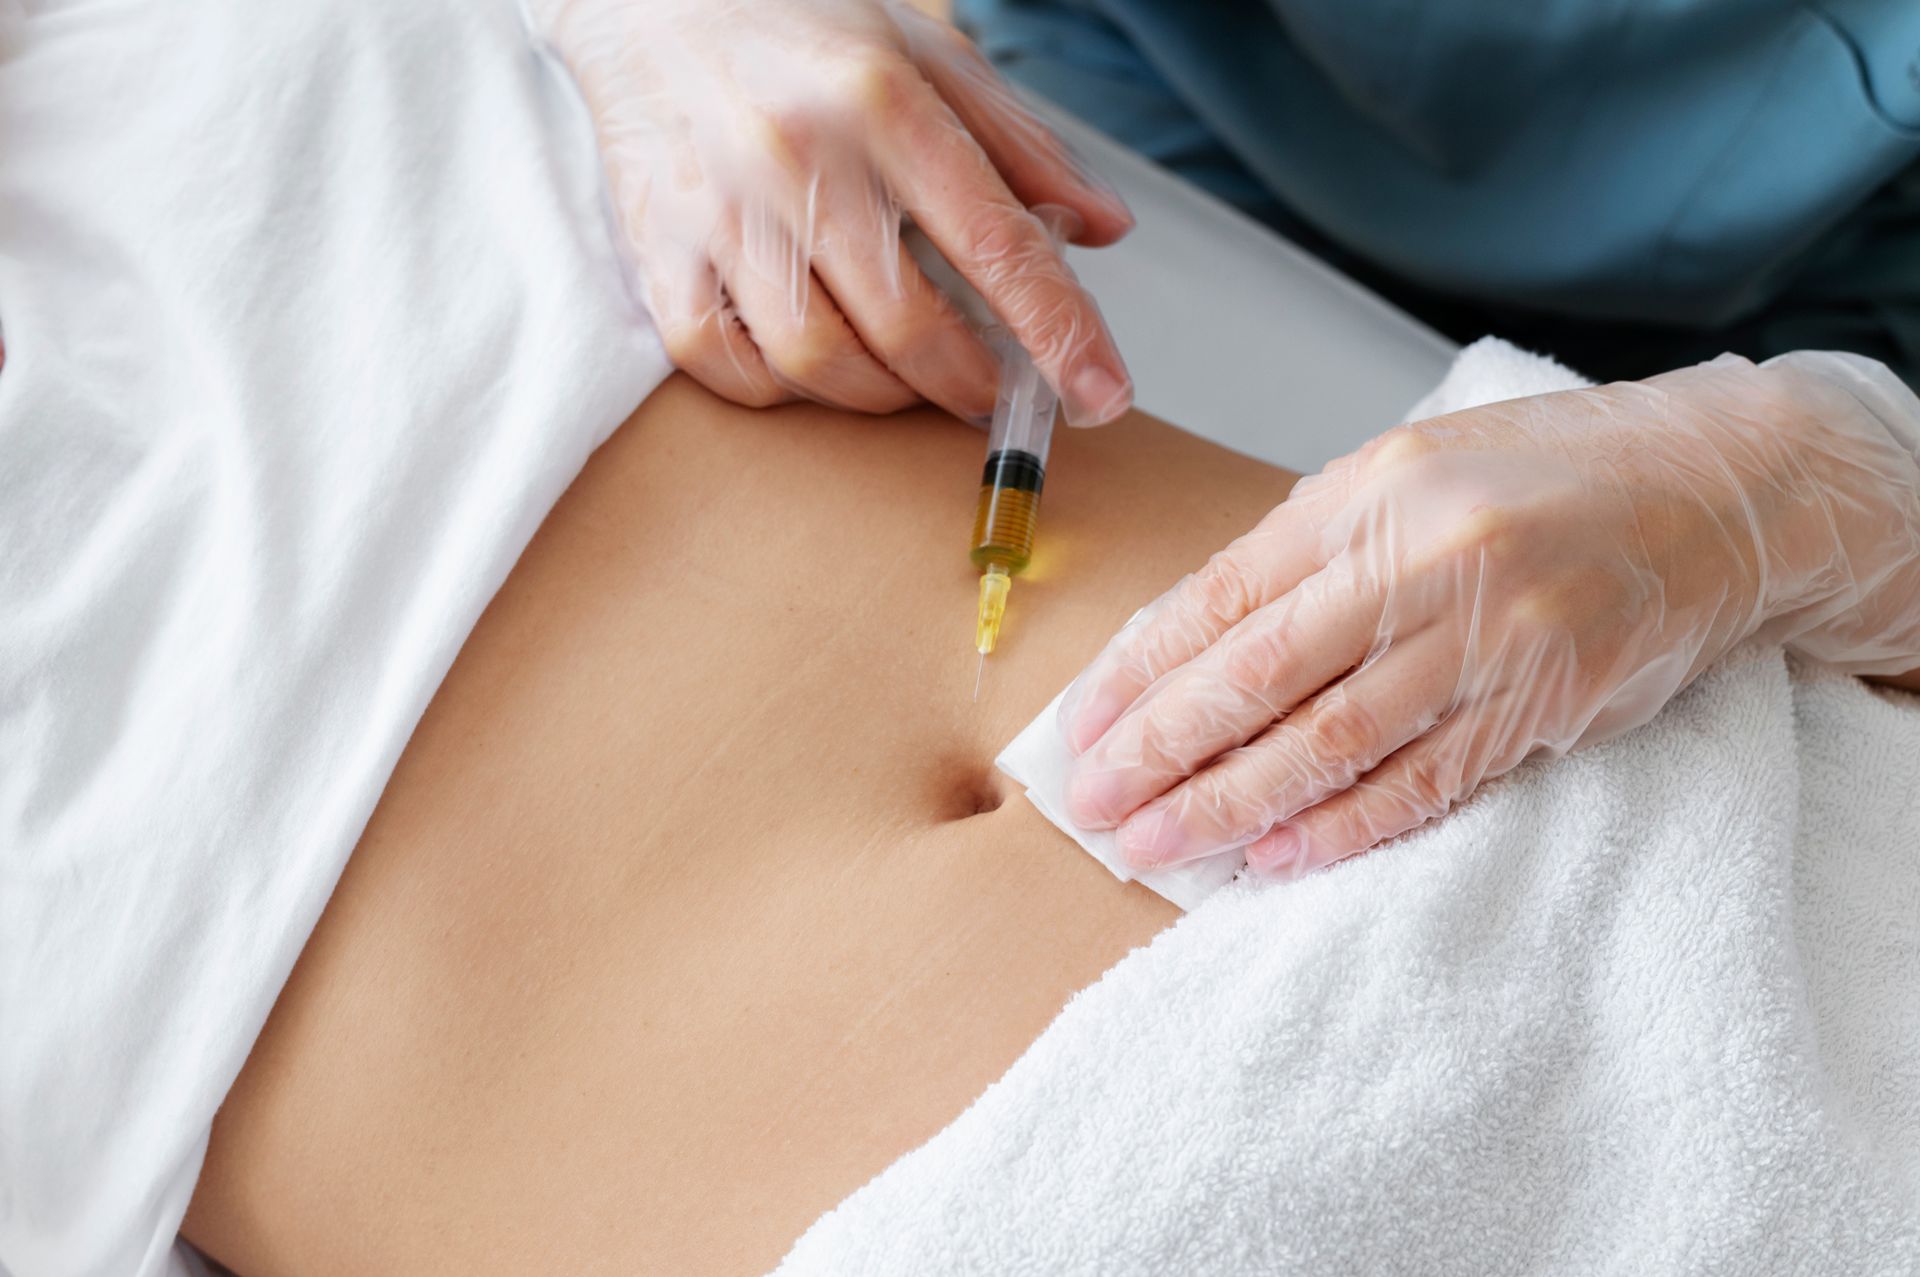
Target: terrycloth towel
{"points": [[1648, 1008]]}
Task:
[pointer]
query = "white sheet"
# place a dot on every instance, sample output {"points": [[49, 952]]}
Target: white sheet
{"points": [[310, 315], [1648, 1008]]}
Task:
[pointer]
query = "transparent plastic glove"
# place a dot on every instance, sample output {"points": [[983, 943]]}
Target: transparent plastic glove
{"points": [[761, 154], [1509, 581]]}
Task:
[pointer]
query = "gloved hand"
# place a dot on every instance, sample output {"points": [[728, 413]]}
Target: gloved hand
{"points": [[760, 154], [1508, 581]]}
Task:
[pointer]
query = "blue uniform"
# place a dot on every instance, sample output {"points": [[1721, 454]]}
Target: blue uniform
{"points": [[1628, 182]]}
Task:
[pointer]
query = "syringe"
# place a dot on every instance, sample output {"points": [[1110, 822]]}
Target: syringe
{"points": [[1009, 505]]}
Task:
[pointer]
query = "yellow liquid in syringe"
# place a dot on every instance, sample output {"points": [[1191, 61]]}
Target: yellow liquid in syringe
{"points": [[1004, 519], [1008, 508], [1003, 524]]}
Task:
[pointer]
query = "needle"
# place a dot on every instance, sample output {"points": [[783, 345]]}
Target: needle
{"points": [[978, 675]]}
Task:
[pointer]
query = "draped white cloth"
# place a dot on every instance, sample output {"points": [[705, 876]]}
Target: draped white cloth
{"points": [[311, 312]]}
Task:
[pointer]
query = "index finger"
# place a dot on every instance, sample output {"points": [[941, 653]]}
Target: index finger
{"points": [[1273, 558], [1035, 164], [941, 176], [1257, 673]]}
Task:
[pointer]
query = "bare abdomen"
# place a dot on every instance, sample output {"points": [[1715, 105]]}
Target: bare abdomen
{"points": [[695, 900]]}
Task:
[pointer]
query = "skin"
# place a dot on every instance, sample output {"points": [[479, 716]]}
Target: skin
{"points": [[695, 899]]}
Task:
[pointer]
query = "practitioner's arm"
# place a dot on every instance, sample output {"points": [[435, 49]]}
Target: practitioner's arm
{"points": [[1512, 580]]}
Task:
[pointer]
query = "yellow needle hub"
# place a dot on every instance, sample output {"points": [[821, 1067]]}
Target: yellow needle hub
{"points": [[994, 585]]}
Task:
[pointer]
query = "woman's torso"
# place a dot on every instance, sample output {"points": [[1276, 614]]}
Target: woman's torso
{"points": [[695, 899]]}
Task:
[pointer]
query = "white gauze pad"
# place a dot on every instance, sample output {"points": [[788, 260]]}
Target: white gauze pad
{"points": [[1039, 759]]}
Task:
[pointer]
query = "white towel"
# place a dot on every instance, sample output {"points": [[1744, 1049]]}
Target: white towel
{"points": [[311, 313], [1648, 1008]]}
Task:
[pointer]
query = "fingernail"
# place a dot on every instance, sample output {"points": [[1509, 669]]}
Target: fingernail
{"points": [[1105, 192], [1084, 719], [1150, 839], [1091, 797], [1141, 840], [1276, 854], [1096, 396]]}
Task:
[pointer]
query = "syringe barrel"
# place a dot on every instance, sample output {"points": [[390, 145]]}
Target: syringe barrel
{"points": [[1007, 511], [1009, 502], [1024, 409]]}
